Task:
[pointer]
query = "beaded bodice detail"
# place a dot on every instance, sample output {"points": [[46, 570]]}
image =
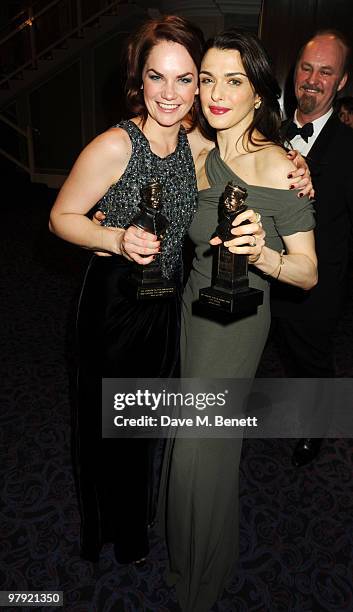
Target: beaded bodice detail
{"points": [[176, 174]]}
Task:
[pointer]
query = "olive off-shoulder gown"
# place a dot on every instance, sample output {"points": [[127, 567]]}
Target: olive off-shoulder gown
{"points": [[202, 516]]}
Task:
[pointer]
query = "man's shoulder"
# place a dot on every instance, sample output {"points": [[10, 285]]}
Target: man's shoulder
{"points": [[338, 130], [345, 133], [333, 146], [330, 159]]}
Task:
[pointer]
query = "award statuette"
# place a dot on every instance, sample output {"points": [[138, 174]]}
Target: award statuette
{"points": [[147, 282], [230, 291]]}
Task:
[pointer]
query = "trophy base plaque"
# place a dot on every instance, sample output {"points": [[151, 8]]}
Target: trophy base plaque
{"points": [[149, 292], [242, 302], [143, 285]]}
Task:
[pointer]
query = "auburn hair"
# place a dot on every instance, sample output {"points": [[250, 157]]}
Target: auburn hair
{"points": [[169, 28]]}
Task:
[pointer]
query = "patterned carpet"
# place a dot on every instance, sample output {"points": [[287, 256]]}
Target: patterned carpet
{"points": [[296, 525]]}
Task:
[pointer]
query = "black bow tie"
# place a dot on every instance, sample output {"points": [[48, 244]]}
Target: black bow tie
{"points": [[305, 132]]}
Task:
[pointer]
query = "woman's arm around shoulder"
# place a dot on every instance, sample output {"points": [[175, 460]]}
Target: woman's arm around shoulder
{"points": [[100, 165]]}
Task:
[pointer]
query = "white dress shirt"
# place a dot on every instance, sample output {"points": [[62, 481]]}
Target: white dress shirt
{"points": [[298, 143]]}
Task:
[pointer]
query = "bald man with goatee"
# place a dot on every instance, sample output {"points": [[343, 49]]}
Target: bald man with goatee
{"points": [[306, 321]]}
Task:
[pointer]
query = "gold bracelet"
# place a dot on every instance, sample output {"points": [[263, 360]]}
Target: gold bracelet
{"points": [[281, 262]]}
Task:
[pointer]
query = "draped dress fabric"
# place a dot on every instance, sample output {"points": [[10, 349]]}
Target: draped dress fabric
{"points": [[120, 338], [203, 474]]}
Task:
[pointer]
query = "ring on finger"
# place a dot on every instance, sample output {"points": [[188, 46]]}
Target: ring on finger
{"points": [[257, 217], [253, 242]]}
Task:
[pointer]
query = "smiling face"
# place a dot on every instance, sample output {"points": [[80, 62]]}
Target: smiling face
{"points": [[227, 97], [318, 76], [169, 80]]}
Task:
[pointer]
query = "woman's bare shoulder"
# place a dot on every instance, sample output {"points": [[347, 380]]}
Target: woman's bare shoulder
{"points": [[107, 155], [114, 143], [273, 166]]}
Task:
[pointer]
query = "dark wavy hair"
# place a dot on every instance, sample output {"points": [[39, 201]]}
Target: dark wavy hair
{"points": [[257, 65], [169, 28]]}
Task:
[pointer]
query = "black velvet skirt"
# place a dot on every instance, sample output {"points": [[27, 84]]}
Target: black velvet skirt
{"points": [[117, 338]]}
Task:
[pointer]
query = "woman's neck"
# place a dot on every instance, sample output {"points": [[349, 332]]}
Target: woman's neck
{"points": [[163, 139], [234, 142]]}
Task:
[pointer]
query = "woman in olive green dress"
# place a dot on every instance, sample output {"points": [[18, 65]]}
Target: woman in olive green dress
{"points": [[239, 97]]}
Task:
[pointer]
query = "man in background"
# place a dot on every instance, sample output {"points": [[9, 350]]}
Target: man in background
{"points": [[306, 321]]}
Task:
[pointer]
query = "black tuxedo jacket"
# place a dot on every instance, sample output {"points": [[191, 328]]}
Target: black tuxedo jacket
{"points": [[330, 160]]}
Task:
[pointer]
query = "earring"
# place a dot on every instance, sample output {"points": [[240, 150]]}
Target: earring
{"points": [[257, 104], [141, 86]]}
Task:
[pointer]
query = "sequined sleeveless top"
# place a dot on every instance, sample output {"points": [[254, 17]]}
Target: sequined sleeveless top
{"points": [[176, 174]]}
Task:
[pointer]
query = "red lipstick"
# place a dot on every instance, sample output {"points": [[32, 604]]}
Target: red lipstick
{"points": [[218, 110]]}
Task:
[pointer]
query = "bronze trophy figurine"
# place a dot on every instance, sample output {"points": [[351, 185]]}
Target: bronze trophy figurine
{"points": [[147, 282], [230, 291]]}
